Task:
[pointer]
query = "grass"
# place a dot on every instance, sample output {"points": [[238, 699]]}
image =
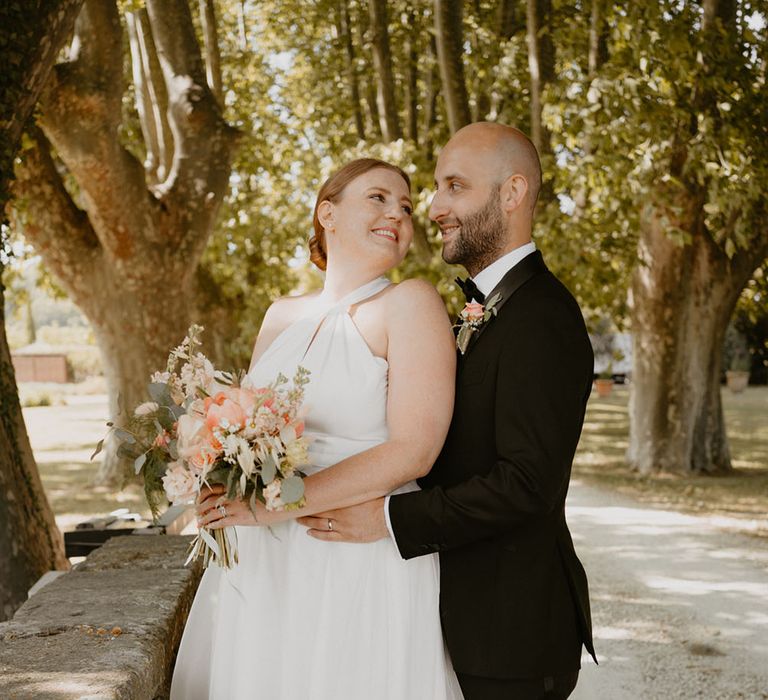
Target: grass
{"points": [[741, 494]]}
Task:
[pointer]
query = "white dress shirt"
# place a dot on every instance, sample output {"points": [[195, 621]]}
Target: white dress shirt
{"points": [[485, 280]]}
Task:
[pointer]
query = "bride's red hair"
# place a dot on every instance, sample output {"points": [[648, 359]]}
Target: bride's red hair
{"points": [[332, 190]]}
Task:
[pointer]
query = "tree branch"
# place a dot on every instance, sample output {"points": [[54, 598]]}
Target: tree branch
{"points": [[60, 232], [81, 113], [38, 48], [212, 53], [203, 141]]}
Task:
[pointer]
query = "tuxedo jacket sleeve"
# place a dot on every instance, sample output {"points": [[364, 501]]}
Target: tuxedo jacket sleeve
{"points": [[540, 360]]}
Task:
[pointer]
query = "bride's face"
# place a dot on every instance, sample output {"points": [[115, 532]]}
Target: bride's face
{"points": [[371, 221]]}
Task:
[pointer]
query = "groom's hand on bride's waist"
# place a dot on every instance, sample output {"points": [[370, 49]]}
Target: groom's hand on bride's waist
{"points": [[361, 523]]}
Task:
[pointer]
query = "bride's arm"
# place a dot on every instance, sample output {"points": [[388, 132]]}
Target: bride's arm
{"points": [[422, 371]]}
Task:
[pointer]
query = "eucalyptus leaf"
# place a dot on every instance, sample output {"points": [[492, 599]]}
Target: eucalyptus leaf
{"points": [[292, 489], [139, 462], [160, 393], [173, 449], [124, 436], [268, 470]]}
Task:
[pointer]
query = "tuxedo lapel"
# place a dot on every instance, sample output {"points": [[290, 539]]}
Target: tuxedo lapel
{"points": [[527, 268]]}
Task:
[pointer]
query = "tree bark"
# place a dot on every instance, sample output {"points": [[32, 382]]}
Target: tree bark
{"points": [[374, 121], [153, 115], [385, 79], [432, 82], [30, 542], [412, 73], [345, 35], [449, 35], [598, 38], [148, 237], [212, 53], [541, 65]]}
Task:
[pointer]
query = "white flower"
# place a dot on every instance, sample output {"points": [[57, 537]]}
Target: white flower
{"points": [[197, 373], [145, 409], [272, 496], [181, 486], [161, 377], [296, 453]]}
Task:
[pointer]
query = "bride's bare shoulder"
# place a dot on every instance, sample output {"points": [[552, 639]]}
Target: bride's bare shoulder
{"points": [[413, 294], [281, 314], [289, 308]]}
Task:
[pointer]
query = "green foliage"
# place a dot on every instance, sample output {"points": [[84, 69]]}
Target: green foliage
{"points": [[667, 115]]}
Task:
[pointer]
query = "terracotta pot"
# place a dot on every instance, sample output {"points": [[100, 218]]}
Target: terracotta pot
{"points": [[604, 387]]}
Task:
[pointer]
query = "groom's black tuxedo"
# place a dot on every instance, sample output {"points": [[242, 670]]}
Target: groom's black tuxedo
{"points": [[514, 600]]}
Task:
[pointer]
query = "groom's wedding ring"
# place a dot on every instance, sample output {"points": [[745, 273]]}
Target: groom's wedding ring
{"points": [[223, 511], [330, 525]]}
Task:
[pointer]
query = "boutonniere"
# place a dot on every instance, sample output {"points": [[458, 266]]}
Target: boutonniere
{"points": [[472, 316]]}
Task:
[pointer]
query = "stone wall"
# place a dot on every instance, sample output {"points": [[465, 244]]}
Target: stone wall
{"points": [[109, 629]]}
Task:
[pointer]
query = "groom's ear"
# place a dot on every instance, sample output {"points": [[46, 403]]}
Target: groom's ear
{"points": [[325, 215], [513, 192]]}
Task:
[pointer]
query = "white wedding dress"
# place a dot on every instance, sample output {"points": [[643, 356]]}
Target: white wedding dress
{"points": [[302, 619]]}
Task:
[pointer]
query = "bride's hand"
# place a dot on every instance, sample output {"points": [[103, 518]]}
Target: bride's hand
{"points": [[215, 511]]}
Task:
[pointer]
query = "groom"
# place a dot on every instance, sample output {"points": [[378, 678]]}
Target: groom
{"points": [[514, 601]]}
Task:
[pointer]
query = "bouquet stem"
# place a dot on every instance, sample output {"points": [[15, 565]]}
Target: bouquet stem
{"points": [[214, 546]]}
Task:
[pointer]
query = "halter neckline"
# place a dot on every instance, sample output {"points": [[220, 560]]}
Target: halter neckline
{"points": [[357, 295]]}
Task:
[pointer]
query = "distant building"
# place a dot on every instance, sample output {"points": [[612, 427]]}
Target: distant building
{"points": [[40, 362]]}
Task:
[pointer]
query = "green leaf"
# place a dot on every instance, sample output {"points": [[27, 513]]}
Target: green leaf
{"points": [[139, 462], [292, 489], [268, 470], [124, 436], [160, 393]]}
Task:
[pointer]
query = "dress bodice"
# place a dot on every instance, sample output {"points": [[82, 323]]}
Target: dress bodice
{"points": [[345, 399]]}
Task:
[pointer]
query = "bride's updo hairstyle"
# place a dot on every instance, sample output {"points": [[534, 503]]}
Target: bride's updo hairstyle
{"points": [[332, 190]]}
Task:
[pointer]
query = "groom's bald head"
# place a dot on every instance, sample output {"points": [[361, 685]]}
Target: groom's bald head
{"points": [[506, 151]]}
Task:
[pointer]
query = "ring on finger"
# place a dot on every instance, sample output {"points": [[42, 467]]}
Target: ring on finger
{"points": [[222, 510], [330, 525]]}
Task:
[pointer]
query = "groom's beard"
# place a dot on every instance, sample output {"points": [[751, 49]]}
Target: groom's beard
{"points": [[481, 236]]}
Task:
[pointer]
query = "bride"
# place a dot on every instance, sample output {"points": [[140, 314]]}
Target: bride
{"points": [[298, 618]]}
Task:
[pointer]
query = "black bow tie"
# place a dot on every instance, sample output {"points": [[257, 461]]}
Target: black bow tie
{"points": [[470, 290]]}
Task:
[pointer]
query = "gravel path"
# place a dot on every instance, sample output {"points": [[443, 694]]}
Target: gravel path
{"points": [[679, 607]]}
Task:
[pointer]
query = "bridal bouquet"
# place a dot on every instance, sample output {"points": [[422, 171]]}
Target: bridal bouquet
{"points": [[204, 427]]}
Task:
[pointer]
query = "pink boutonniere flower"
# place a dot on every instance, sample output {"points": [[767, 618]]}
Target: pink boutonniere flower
{"points": [[472, 316]]}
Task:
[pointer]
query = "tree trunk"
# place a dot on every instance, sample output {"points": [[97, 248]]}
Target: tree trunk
{"points": [[374, 121], [412, 62], [449, 35], [432, 82], [682, 299], [30, 542], [385, 79], [147, 237], [345, 35], [541, 65]]}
